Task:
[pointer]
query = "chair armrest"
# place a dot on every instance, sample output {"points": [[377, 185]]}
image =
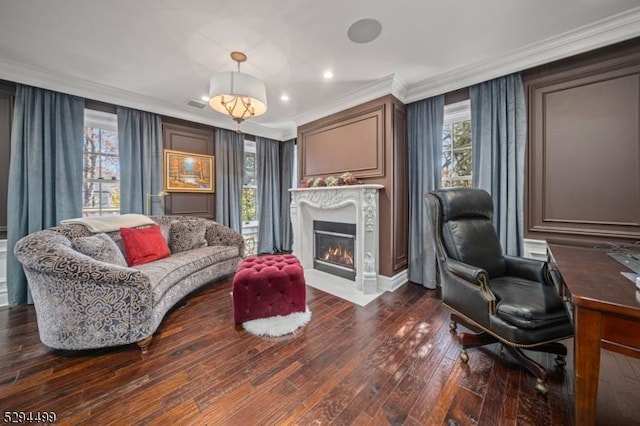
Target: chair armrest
{"points": [[474, 275], [530, 269], [468, 272], [221, 235]]}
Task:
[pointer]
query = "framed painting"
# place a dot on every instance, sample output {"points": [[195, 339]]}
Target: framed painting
{"points": [[188, 172]]}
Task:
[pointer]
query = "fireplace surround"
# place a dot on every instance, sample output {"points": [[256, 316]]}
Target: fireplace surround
{"points": [[354, 205]]}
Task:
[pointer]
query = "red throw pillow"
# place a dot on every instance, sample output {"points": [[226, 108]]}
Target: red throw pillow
{"points": [[144, 245]]}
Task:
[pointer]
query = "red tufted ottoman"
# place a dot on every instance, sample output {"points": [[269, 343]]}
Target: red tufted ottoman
{"points": [[266, 286]]}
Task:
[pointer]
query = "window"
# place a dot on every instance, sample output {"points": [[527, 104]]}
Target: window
{"points": [[250, 199], [101, 166], [294, 180], [249, 186], [456, 145]]}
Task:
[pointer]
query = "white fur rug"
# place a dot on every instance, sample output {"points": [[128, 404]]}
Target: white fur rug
{"points": [[278, 325]]}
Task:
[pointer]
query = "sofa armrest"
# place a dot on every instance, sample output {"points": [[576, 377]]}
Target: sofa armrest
{"points": [[82, 303], [530, 269], [221, 235], [51, 253]]}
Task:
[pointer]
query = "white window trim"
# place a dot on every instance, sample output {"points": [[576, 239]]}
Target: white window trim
{"points": [[250, 227], [460, 111], [249, 146], [453, 113], [294, 177], [105, 121], [100, 120], [253, 223]]}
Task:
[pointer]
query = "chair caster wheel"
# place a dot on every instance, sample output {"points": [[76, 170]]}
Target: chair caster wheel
{"points": [[541, 387], [464, 356], [453, 326], [560, 361]]}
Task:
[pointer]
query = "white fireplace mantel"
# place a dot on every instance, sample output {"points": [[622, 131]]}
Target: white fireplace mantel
{"points": [[356, 204]]}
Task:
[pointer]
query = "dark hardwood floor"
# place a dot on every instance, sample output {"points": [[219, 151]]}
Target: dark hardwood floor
{"points": [[391, 362]]}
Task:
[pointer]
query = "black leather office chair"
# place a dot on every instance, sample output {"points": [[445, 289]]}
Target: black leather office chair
{"points": [[503, 299]]}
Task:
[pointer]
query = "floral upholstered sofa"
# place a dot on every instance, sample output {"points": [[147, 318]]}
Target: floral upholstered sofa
{"points": [[92, 301]]}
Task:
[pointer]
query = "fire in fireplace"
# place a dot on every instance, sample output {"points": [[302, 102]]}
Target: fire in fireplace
{"points": [[334, 248], [338, 254]]}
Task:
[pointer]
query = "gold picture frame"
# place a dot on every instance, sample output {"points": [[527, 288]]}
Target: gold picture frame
{"points": [[188, 172]]}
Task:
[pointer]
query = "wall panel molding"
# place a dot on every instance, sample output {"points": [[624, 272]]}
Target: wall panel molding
{"points": [[355, 140], [7, 94], [189, 138], [400, 239], [584, 148]]}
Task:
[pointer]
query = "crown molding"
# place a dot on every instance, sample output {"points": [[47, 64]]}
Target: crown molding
{"points": [[289, 133], [39, 77], [614, 29], [607, 31], [399, 88], [390, 84]]}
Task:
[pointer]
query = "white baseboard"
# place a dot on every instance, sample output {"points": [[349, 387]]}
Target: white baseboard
{"points": [[535, 249], [4, 296], [392, 283]]}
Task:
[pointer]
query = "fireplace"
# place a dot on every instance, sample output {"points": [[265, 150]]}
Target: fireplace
{"points": [[334, 248], [352, 213]]}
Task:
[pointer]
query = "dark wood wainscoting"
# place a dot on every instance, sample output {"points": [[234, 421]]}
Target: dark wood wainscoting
{"points": [[400, 216], [369, 141], [584, 147], [189, 137], [355, 140], [7, 94]]}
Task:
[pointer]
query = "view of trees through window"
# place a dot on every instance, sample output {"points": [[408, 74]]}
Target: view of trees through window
{"points": [[101, 173], [249, 189], [456, 154]]}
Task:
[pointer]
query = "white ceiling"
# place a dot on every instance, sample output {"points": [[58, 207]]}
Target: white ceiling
{"points": [[157, 54]]}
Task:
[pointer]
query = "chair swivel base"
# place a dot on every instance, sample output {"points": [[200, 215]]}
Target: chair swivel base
{"points": [[482, 338]]}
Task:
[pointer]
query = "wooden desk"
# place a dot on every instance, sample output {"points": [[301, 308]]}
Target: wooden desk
{"points": [[606, 314]]}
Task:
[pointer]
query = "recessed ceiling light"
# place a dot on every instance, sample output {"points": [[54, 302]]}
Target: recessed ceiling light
{"points": [[284, 98], [205, 98], [328, 75], [364, 30]]}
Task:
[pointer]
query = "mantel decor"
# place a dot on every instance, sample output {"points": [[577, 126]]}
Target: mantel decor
{"points": [[188, 172], [331, 180]]}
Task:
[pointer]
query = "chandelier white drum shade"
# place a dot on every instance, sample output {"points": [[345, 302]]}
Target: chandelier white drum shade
{"points": [[238, 95]]}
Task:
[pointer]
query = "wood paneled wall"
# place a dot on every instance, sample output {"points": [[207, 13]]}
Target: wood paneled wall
{"points": [[354, 139], [189, 137], [369, 141], [584, 147], [7, 93]]}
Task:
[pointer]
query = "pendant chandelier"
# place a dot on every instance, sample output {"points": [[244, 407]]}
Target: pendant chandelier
{"points": [[237, 95]]}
